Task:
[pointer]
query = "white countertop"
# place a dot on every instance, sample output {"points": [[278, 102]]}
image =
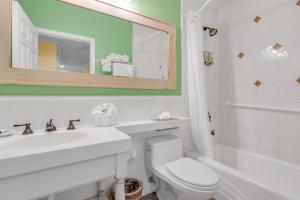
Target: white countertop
{"points": [[98, 142], [136, 127]]}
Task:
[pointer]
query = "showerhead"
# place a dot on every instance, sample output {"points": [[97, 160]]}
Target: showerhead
{"points": [[212, 31]]}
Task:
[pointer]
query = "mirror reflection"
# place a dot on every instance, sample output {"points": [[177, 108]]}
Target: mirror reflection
{"points": [[60, 52], [84, 41]]}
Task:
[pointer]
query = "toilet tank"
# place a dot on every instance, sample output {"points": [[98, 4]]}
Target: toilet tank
{"points": [[161, 150]]}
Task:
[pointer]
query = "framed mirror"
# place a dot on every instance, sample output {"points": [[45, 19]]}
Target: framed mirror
{"points": [[85, 43]]}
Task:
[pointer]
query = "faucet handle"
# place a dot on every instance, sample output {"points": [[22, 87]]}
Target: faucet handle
{"points": [[2, 132], [50, 127], [71, 124], [27, 130]]}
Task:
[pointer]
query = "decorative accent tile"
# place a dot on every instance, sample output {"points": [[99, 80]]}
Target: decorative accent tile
{"points": [[258, 18], [241, 55], [258, 83], [277, 46], [298, 3], [298, 80]]}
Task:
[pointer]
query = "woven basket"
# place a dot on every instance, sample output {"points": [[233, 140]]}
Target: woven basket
{"points": [[133, 189]]}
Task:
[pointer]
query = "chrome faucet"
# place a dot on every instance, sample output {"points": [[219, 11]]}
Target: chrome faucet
{"points": [[50, 127], [27, 130]]}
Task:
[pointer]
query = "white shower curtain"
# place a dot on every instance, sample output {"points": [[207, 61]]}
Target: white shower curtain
{"points": [[197, 85]]}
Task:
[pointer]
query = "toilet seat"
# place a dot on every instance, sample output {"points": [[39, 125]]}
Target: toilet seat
{"points": [[193, 174]]}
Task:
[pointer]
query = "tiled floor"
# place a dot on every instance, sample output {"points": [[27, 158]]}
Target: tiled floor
{"points": [[152, 196]]}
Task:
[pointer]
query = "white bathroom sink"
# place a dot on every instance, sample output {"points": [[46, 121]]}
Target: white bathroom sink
{"points": [[64, 159], [22, 154], [45, 140]]}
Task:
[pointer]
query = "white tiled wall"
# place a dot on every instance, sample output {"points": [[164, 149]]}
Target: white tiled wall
{"points": [[270, 133], [38, 110]]}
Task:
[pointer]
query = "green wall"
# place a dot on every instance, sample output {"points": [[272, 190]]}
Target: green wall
{"points": [[112, 35], [168, 10]]}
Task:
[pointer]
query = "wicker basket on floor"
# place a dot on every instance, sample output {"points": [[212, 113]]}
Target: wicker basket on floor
{"points": [[133, 189]]}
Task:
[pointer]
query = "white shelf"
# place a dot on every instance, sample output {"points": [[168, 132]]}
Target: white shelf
{"points": [[136, 127], [267, 108]]}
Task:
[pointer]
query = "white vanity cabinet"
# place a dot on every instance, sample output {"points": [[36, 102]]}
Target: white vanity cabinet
{"points": [[29, 172]]}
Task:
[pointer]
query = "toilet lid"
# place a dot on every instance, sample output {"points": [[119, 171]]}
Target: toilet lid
{"points": [[192, 172]]}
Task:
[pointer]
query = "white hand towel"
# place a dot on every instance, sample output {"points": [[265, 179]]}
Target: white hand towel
{"points": [[107, 62], [118, 58], [164, 115], [123, 69], [125, 58]]}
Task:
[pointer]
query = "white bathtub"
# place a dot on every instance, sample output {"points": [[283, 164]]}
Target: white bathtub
{"points": [[248, 176]]}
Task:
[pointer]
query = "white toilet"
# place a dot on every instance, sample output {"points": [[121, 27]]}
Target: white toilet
{"points": [[189, 179]]}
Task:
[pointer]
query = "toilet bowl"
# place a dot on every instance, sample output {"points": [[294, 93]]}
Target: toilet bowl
{"points": [[188, 179]]}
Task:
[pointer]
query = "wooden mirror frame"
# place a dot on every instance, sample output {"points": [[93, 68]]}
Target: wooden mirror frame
{"points": [[8, 75]]}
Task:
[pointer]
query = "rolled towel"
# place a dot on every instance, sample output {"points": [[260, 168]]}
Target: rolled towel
{"points": [[106, 68], [108, 62], [118, 58], [103, 61], [106, 65], [125, 58]]}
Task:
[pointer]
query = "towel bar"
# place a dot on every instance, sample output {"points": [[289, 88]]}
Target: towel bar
{"points": [[166, 129]]}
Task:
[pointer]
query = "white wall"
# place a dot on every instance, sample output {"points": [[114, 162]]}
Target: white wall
{"points": [[269, 133], [231, 79]]}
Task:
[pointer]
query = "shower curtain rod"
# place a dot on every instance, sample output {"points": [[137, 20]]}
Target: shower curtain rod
{"points": [[202, 7]]}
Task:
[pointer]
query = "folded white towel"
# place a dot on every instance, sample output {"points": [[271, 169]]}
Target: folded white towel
{"points": [[123, 69], [164, 115], [125, 58], [107, 62], [118, 58]]}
